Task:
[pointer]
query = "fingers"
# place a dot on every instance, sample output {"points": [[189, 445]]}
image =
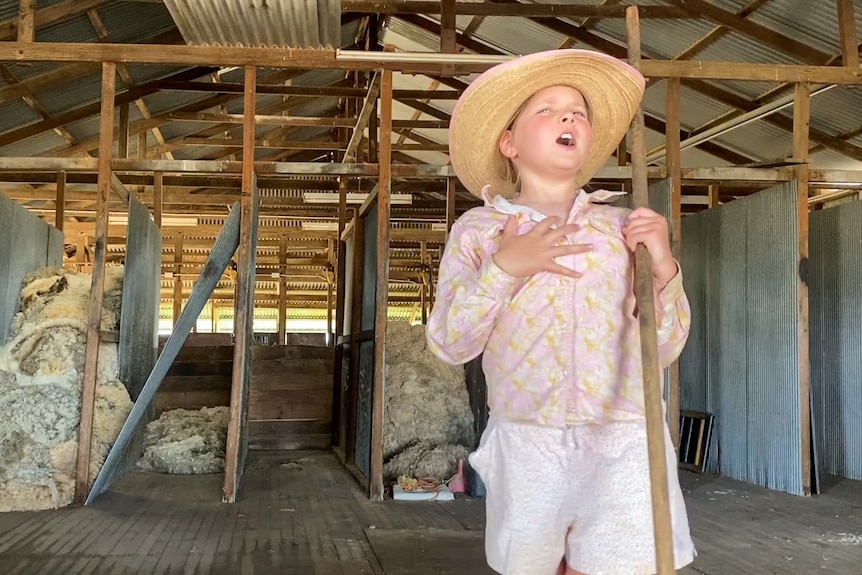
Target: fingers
{"points": [[556, 268], [570, 249]]}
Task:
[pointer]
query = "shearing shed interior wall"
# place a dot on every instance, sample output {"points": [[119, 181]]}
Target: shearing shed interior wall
{"points": [[741, 362], [836, 337]]}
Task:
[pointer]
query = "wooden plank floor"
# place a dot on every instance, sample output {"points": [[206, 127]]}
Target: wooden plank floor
{"points": [[301, 513]]}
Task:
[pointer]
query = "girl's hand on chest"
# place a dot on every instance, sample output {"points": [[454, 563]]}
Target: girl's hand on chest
{"points": [[523, 255]]}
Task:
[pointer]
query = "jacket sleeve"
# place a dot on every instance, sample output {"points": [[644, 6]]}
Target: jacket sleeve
{"points": [[472, 292], [673, 319]]}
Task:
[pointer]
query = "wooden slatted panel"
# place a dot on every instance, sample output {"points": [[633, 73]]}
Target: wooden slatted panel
{"points": [[290, 400]]}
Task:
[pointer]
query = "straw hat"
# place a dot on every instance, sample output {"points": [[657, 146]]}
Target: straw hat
{"points": [[612, 89]]}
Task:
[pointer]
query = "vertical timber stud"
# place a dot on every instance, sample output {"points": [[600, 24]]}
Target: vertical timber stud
{"points": [[338, 415], [649, 338], [123, 134], [26, 20], [97, 290], [847, 28], [375, 480], [60, 206], [158, 190], [713, 195], [178, 281], [674, 172], [448, 38], [801, 119], [244, 303], [282, 291]]}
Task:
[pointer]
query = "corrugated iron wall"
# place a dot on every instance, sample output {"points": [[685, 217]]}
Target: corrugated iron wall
{"points": [[835, 294], [26, 244], [741, 362]]}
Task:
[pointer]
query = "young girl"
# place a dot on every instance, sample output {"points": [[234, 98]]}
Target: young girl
{"points": [[540, 281]]}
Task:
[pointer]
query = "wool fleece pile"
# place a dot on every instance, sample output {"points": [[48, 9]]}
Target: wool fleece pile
{"points": [[428, 424], [41, 381]]}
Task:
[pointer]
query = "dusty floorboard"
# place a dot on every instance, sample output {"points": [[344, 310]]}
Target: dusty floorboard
{"points": [[302, 514]]}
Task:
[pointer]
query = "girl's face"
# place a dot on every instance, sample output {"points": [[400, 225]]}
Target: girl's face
{"points": [[551, 137]]}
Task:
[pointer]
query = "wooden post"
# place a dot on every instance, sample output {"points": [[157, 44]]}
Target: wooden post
{"points": [[142, 145], [648, 332], [178, 282], [355, 327], [338, 401], [674, 172], [97, 290], [123, 134], [282, 291], [847, 28], [801, 124], [329, 298], [375, 479], [713, 195], [60, 206], [158, 191], [236, 444], [26, 20], [451, 198]]}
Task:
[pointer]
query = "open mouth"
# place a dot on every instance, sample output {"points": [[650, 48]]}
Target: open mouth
{"points": [[566, 140]]}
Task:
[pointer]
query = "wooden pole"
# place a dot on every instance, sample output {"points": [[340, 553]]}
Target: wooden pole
{"points": [[674, 169], [244, 307], [60, 206], [451, 199], [282, 291], [97, 290], [158, 193], [375, 482], [123, 134], [178, 282], [26, 20], [847, 29], [713, 195], [649, 339], [329, 300], [801, 124]]}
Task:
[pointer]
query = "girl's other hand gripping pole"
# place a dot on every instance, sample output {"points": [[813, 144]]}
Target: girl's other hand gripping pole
{"points": [[649, 339]]}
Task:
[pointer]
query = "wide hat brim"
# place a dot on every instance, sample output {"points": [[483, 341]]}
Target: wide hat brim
{"points": [[612, 88]]}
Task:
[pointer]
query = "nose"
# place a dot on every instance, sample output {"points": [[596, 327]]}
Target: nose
{"points": [[567, 117]]}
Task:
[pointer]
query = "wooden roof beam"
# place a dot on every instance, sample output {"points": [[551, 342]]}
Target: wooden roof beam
{"points": [[559, 10]]}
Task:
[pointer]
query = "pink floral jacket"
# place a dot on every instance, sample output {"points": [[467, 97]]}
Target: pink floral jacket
{"points": [[557, 350]]}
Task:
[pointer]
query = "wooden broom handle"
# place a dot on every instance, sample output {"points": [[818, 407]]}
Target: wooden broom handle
{"points": [[649, 339]]}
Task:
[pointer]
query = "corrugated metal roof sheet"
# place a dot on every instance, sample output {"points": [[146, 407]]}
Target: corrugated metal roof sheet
{"points": [[659, 38], [759, 140], [71, 94], [814, 22], [77, 29], [16, 113], [135, 21], [285, 23], [837, 111], [518, 35]]}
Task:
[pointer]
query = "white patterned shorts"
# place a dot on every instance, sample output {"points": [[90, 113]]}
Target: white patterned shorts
{"points": [[580, 492]]}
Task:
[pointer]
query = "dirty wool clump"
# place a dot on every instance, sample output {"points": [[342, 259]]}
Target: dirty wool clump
{"points": [[428, 424], [184, 441], [41, 381]]}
